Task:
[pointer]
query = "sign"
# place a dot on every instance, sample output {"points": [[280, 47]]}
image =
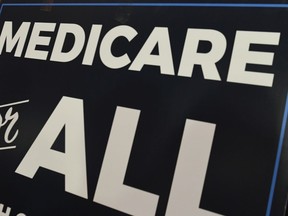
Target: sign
{"points": [[143, 109]]}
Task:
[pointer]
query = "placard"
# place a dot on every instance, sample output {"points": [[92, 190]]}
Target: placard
{"points": [[143, 109]]}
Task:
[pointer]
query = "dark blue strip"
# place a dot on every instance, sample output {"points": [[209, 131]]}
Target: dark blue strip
{"points": [[231, 5], [278, 157]]}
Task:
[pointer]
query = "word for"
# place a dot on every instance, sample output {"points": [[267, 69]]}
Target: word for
{"points": [[188, 180], [9, 120], [159, 37], [8, 211]]}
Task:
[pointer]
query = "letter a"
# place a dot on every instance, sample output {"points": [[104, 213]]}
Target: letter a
{"points": [[72, 163]]}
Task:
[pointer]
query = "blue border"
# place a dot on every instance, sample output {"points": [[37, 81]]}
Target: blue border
{"points": [[217, 5], [278, 158], [143, 4]]}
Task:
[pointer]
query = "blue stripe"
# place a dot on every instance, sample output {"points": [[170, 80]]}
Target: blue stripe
{"points": [[115, 4], [1, 7], [278, 157]]}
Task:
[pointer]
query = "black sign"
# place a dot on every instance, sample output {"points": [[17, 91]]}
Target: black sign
{"points": [[143, 109]]}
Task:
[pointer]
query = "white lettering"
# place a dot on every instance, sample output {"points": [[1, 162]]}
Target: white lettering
{"points": [[19, 38], [36, 39], [13, 119], [106, 55], [241, 56], [158, 36], [191, 168], [189, 176], [6, 213], [92, 45], [69, 114], [191, 57], [110, 190], [79, 40]]}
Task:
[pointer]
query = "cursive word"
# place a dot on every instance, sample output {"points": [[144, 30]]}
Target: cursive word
{"points": [[9, 120], [7, 123]]}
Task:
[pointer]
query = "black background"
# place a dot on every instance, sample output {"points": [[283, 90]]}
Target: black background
{"points": [[248, 118]]}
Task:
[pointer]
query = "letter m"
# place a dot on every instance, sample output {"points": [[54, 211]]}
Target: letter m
{"points": [[19, 38]]}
